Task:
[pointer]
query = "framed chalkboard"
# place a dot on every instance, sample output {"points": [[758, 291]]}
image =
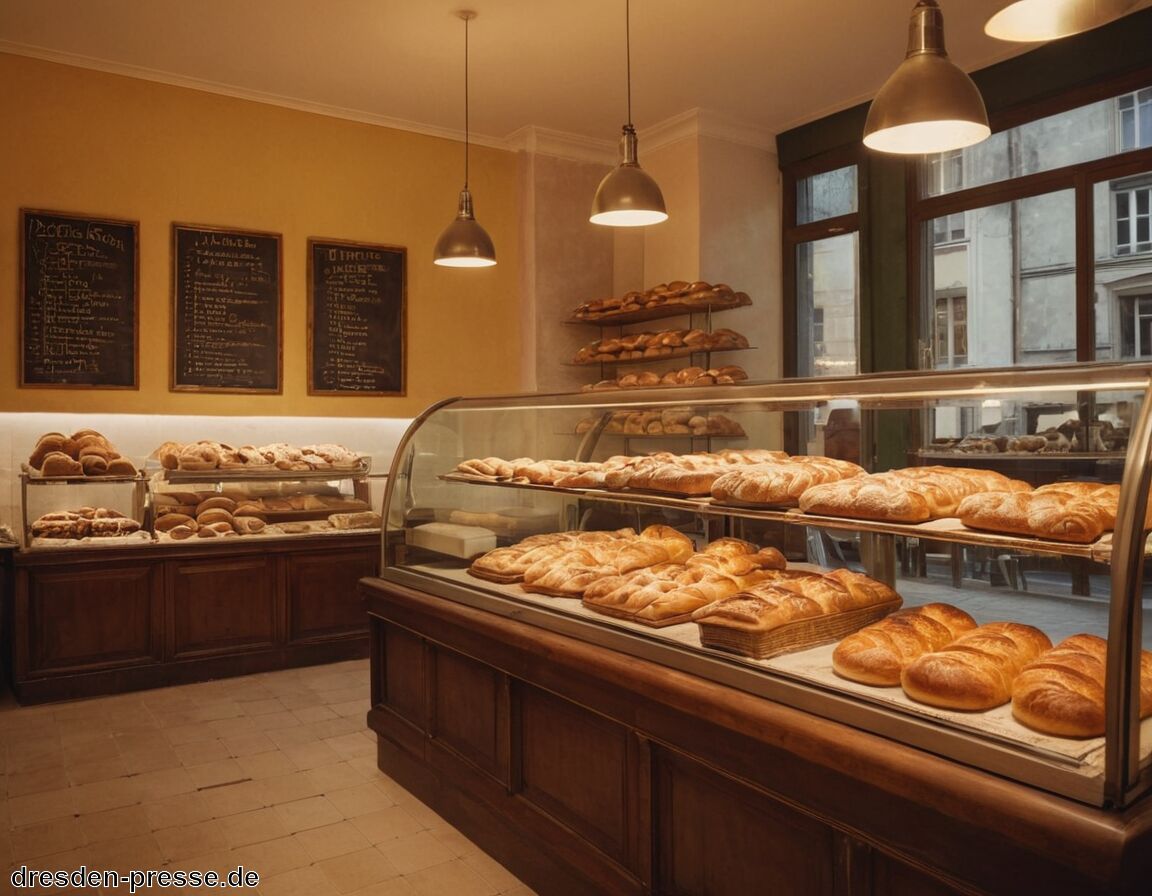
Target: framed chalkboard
{"points": [[226, 310], [356, 308], [79, 301]]}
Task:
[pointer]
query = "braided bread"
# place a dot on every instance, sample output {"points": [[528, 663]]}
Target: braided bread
{"points": [[878, 653]]}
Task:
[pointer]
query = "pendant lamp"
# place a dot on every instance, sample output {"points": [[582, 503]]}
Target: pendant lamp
{"points": [[1032, 20], [628, 196], [928, 105], [464, 243]]}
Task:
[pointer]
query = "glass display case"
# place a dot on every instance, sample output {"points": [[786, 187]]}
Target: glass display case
{"points": [[1037, 426], [83, 511]]}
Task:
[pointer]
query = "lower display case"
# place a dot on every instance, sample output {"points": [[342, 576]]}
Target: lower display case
{"points": [[589, 770], [82, 623]]}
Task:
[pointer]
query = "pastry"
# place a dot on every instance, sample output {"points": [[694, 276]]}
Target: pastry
{"points": [[1052, 514], [878, 653], [976, 671]]}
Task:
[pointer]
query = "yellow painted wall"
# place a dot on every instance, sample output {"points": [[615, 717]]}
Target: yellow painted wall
{"points": [[75, 140]]}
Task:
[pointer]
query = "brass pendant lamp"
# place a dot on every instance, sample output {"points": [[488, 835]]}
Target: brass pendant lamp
{"points": [[464, 243], [929, 104], [1033, 20], [628, 196]]}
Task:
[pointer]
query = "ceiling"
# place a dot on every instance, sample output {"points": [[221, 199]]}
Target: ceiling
{"points": [[768, 64]]}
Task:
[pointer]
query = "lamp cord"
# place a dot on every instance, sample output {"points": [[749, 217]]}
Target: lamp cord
{"points": [[466, 104], [628, 53]]}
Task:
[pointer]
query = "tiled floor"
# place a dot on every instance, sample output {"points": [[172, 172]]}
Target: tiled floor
{"points": [[274, 772]]}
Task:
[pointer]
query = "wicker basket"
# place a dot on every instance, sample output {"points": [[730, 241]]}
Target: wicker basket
{"points": [[793, 636]]}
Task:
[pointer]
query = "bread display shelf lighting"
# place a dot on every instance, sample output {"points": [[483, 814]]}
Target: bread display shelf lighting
{"points": [[949, 529]]}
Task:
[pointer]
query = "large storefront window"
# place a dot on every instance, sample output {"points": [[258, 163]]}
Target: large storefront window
{"points": [[1005, 228], [826, 303]]}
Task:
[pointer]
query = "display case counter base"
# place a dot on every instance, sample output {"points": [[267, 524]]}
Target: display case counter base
{"points": [[85, 623], [586, 770]]}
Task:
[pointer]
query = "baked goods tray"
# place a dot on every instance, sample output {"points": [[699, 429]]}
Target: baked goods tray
{"points": [[679, 352], [33, 477], [667, 309], [231, 475]]}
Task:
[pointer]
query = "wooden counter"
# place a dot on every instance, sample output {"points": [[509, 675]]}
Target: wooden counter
{"points": [[588, 771], [83, 622]]}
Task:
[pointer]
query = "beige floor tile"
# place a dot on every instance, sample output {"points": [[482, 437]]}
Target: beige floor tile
{"points": [[300, 700], [124, 855], [191, 840], [248, 744], [313, 812], [357, 870], [266, 765], [92, 751], [150, 759], [33, 758], [356, 708], [416, 852], [288, 788], [257, 826], [491, 870], [455, 841], [336, 727], [359, 799], [180, 810], [222, 709], [387, 824], [100, 770], [312, 755], [338, 776], [330, 840], [161, 783], [311, 881], [359, 692], [272, 856], [262, 707], [232, 799], [348, 746], [396, 886], [293, 737], [318, 713], [367, 764], [520, 890], [38, 781], [200, 752], [213, 774], [188, 733], [453, 877], [419, 811], [47, 837], [222, 861], [37, 807], [101, 795], [275, 721], [115, 824], [234, 727]]}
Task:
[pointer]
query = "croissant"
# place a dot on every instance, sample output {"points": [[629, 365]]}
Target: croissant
{"points": [[976, 671], [1062, 693], [878, 653]]}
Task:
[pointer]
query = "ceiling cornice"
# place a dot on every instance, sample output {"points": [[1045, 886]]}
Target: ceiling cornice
{"points": [[706, 123], [576, 147]]}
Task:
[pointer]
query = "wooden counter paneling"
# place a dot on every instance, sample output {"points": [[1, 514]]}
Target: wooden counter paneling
{"points": [[224, 606], [629, 777]]}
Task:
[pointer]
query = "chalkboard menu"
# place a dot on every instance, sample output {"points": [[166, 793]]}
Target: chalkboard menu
{"points": [[355, 318], [79, 301], [226, 318]]}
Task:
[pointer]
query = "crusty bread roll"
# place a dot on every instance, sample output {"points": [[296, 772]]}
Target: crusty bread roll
{"points": [[1062, 692], [169, 521], [878, 653], [781, 482], [214, 515], [57, 463], [976, 671], [248, 525], [1056, 515], [48, 443]]}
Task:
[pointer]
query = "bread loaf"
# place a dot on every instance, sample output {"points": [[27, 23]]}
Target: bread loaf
{"points": [[781, 482], [976, 671], [1053, 514], [878, 653], [1062, 692]]}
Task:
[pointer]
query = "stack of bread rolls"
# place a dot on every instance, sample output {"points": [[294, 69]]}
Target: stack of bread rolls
{"points": [[693, 294], [84, 522], [684, 376], [509, 564], [208, 455], [665, 343], [84, 453]]}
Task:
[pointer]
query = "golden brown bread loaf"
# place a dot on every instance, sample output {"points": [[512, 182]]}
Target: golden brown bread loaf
{"points": [[878, 653], [912, 495], [781, 482], [976, 671], [1056, 515], [1062, 692]]}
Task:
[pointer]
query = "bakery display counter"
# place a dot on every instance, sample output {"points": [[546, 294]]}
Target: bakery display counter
{"points": [[83, 623], [574, 697]]}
